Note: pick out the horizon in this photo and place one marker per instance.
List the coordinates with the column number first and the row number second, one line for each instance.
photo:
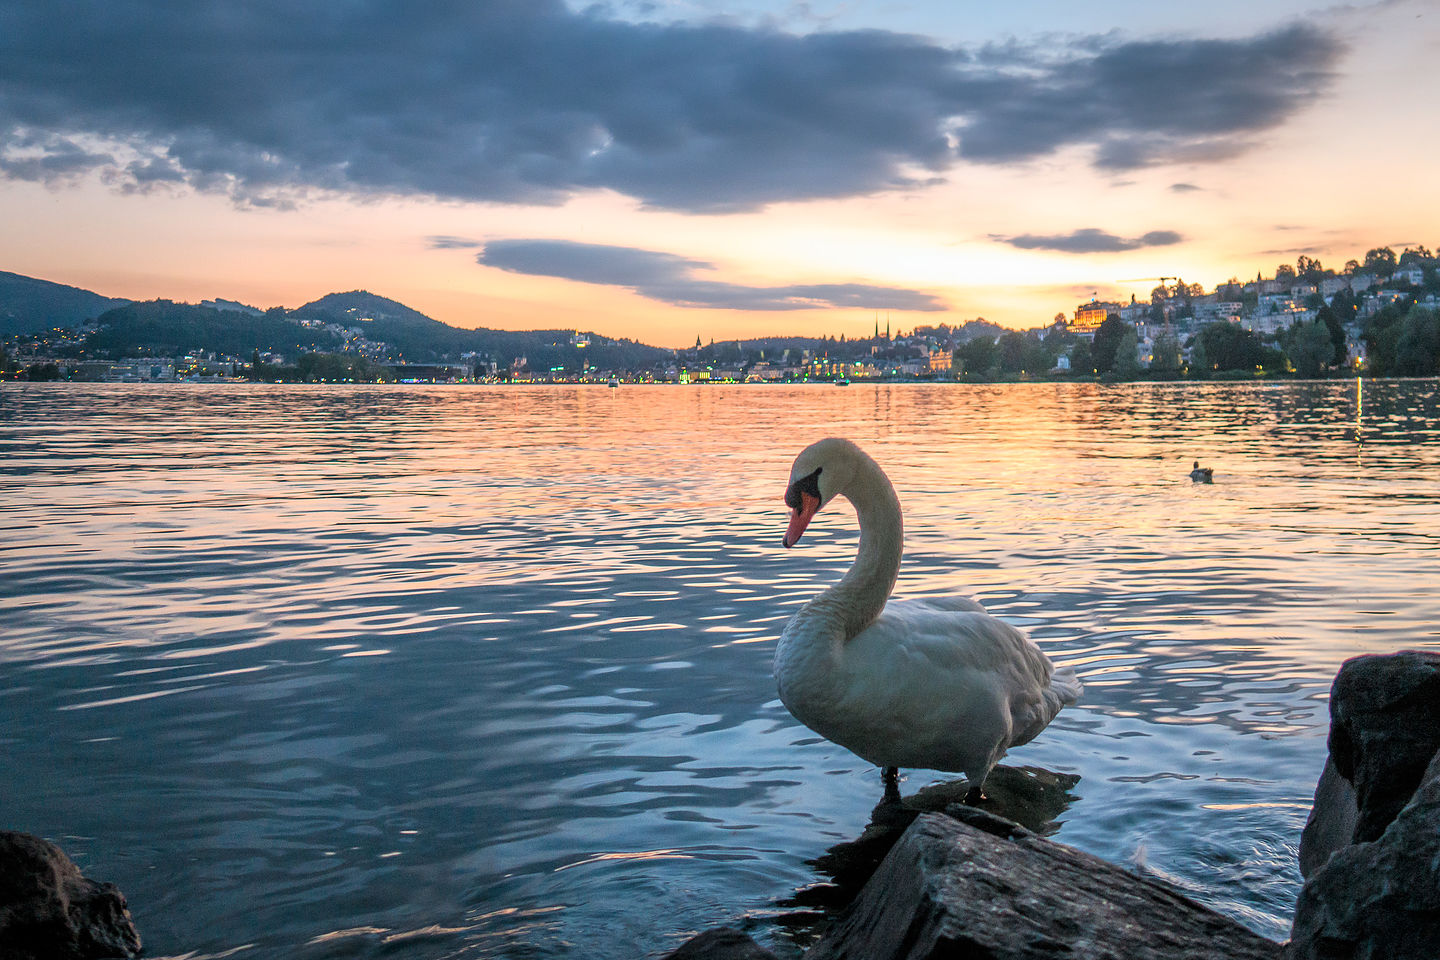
column 722, row 171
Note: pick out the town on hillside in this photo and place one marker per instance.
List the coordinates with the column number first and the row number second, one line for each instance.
column 1379, row 316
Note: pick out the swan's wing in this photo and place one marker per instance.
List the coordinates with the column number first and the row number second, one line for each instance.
column 957, row 637
column 923, row 661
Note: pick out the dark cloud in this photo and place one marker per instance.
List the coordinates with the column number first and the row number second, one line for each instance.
column 1184, row 187
column 673, row 279
column 1091, row 240
column 443, row 242
column 530, row 101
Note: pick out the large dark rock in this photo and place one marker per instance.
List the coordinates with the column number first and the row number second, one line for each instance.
column 48, row 911
column 990, row 889
column 1384, row 729
column 722, row 943
column 1331, row 824
column 1378, row 900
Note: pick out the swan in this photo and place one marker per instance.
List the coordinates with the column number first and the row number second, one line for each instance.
column 1199, row 474
column 933, row 683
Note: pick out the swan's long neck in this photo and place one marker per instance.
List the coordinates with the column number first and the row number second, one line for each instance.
column 858, row 598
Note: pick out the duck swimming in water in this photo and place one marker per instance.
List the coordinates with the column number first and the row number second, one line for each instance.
column 1200, row 474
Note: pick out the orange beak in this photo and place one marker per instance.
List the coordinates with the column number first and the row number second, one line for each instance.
column 800, row 518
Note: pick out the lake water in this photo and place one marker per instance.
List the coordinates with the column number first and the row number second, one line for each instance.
column 486, row 672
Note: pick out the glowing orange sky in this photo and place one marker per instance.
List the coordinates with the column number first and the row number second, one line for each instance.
column 1352, row 170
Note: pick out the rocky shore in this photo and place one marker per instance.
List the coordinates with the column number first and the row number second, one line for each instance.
column 49, row 911
column 966, row 883
column 933, row 878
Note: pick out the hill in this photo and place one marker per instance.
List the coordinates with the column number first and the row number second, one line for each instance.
column 163, row 328
column 28, row 305
column 166, row 328
column 414, row 337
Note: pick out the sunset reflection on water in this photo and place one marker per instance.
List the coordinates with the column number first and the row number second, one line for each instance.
column 487, row 670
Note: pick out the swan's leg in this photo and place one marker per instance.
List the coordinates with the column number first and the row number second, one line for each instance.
column 890, row 776
column 976, row 793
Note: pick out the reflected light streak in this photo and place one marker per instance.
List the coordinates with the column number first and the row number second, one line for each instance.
column 639, row 855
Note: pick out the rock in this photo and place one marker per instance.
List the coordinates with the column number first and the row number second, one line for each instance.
column 1384, row 729
column 48, row 911
column 1000, row 892
column 1031, row 796
column 1332, row 820
column 1378, row 900
column 722, row 943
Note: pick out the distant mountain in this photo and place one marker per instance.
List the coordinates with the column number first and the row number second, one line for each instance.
column 28, row 305
column 416, row 338
column 165, row 329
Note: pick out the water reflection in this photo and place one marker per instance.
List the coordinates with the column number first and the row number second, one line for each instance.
column 432, row 672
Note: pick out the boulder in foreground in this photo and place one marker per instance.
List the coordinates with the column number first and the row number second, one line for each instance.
column 1384, row 730
column 49, row 911
column 1371, row 850
column 990, row 888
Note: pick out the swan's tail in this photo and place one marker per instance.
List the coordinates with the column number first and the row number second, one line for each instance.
column 1065, row 686
column 1064, row 690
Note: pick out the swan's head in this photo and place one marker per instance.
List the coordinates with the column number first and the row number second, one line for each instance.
column 822, row 471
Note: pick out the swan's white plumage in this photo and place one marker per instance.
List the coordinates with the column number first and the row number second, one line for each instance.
column 935, row 683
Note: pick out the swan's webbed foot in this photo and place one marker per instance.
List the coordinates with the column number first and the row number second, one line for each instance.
column 974, row 796
column 890, row 777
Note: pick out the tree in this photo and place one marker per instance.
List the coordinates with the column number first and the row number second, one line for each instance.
column 1417, row 349
column 1415, row 255
column 1352, row 267
column 340, row 368
column 1381, row 335
column 976, row 356
column 1310, row 270
column 1011, row 347
column 1285, row 273
column 1309, row 348
column 1227, row 346
column 1328, row 316
column 1127, row 363
column 1023, row 353
column 1199, row 361
column 1082, row 360
column 1380, row 260
column 1107, row 340
column 1165, row 355
column 1157, row 309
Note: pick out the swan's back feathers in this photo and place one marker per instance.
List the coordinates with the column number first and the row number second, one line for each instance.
column 959, row 604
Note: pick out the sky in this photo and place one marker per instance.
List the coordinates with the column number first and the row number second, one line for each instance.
column 671, row 169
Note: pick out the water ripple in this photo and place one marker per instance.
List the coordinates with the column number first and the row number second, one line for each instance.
column 486, row 672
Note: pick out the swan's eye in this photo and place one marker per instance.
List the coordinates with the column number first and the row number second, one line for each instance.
column 807, row 484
